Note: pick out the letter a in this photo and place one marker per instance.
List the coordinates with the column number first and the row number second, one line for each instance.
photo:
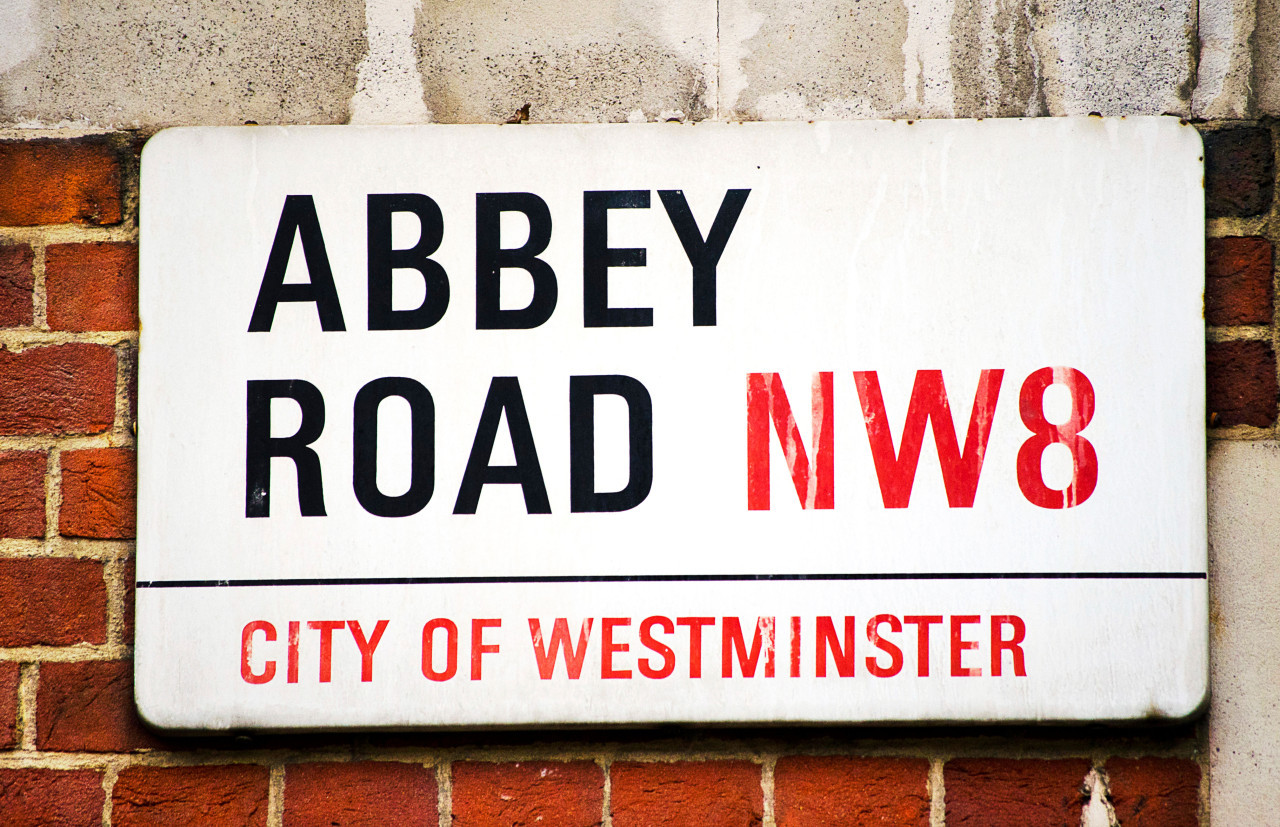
column 297, row 218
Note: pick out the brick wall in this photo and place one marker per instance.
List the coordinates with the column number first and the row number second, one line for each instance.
column 73, row 752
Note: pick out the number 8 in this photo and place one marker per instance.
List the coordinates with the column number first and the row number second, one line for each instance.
column 1084, row 459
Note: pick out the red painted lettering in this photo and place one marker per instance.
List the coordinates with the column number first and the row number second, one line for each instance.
column 366, row 647
column 326, row 629
column 246, row 652
column 959, row 645
column 608, row 647
column 922, row 624
column 450, row 645
column 732, row 643
column 648, row 641
column 795, row 647
column 695, row 625
column 560, row 641
column 767, row 400
column 897, row 473
column 842, row 654
column 295, row 633
column 1013, row 645
column 478, row 647
column 1084, row 459
column 888, row 647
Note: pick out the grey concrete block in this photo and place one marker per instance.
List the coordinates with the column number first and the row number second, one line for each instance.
column 1266, row 57
column 783, row 60
column 878, row 58
column 388, row 83
column 1119, row 57
column 1224, row 86
column 993, row 51
column 941, row 58
column 612, row 60
column 1244, row 722
column 128, row 64
column 123, row 63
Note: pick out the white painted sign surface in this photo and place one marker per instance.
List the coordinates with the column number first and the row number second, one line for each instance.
column 576, row 507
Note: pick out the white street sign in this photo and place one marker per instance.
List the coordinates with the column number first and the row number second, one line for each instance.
column 535, row 425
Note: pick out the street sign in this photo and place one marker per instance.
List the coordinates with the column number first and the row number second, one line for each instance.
column 541, row 425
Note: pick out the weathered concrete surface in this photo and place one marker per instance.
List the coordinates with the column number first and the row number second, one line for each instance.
column 388, row 84
column 124, row 63
column 607, row 60
column 941, row 58
column 992, row 47
column 879, row 58
column 133, row 63
column 19, row 36
column 1224, row 82
column 1244, row 720
column 786, row 60
column 1121, row 57
column 1266, row 56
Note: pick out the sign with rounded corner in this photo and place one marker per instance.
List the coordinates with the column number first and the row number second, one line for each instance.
column 458, row 426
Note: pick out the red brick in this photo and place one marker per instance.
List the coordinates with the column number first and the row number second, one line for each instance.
column 59, row 182
column 92, row 286
column 87, row 706
column 1015, row 793
column 707, row 793
column 52, row 601
column 1241, row 384
column 1155, row 792
column 527, row 793
column 234, row 796
column 820, row 791
column 372, row 793
column 1238, row 171
column 16, row 285
column 22, row 493
column 8, row 704
column 60, row 389
column 99, row 494
column 50, row 798
column 1238, row 281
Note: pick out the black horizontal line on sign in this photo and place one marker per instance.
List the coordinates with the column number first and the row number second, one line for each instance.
column 671, row 578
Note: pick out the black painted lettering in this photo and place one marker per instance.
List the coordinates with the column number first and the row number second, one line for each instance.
column 704, row 255
column 297, row 218
column 364, row 472
column 598, row 257
column 260, row 446
column 491, row 259
column 383, row 261
column 583, row 391
column 504, row 396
